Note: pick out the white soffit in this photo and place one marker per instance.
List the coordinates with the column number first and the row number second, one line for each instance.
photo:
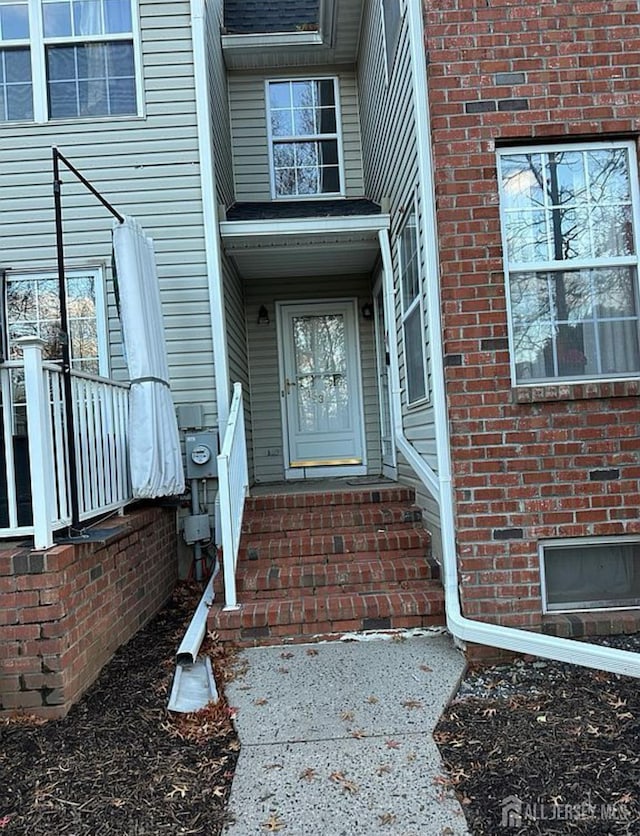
column 303, row 247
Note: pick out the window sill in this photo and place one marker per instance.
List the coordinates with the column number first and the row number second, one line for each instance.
column 576, row 391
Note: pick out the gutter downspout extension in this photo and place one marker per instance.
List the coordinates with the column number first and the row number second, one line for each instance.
column 210, row 215
column 507, row 638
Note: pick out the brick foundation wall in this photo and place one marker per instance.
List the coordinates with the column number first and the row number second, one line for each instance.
column 65, row 611
column 529, row 463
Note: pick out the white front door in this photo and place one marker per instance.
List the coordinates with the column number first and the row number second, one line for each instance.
column 320, row 389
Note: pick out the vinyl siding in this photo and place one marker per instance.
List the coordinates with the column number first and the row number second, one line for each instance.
column 249, row 131
column 236, row 334
column 146, row 167
column 391, row 171
column 263, row 353
column 219, row 104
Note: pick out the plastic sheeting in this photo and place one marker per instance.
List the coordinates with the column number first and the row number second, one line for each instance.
column 154, row 441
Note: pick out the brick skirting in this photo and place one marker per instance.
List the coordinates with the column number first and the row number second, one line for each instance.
column 65, row 611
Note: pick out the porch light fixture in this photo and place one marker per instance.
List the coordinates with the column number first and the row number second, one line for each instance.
column 367, row 310
column 263, row 316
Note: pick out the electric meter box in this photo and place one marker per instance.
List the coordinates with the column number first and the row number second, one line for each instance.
column 201, row 451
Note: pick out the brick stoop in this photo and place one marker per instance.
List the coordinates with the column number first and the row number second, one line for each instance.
column 323, row 563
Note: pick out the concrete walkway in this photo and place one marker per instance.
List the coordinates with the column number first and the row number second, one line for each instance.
column 337, row 739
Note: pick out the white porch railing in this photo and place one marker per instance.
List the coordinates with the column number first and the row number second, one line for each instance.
column 233, row 486
column 35, row 499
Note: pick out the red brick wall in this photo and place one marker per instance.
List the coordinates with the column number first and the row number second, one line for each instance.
column 65, row 611
column 555, row 461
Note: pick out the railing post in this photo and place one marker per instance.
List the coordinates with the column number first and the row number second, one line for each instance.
column 40, row 442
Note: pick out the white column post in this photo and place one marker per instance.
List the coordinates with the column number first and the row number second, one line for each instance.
column 40, row 442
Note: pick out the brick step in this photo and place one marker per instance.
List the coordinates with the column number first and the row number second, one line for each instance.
column 364, row 575
column 304, row 548
column 326, row 520
column 274, row 621
column 357, row 496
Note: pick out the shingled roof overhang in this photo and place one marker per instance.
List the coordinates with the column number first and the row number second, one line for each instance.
column 306, row 245
column 258, row 36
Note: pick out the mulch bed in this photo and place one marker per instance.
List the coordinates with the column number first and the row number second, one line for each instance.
column 119, row 764
column 543, row 747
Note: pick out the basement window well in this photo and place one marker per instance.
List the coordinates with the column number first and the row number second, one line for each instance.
column 590, row 575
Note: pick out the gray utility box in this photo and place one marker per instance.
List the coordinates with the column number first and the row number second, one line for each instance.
column 201, row 451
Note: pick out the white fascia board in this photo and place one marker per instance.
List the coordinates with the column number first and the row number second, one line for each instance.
column 270, row 40
column 304, row 226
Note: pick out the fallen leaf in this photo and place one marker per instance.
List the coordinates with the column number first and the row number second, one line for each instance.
column 387, row 818
column 273, row 823
column 180, row 790
column 347, row 716
column 411, row 757
column 337, row 777
column 308, row 774
column 398, row 637
column 426, row 668
column 261, row 701
column 392, row 744
column 350, row 786
column 383, row 769
column 311, row 651
column 358, row 734
column 270, row 766
column 283, row 670
column 373, row 700
column 412, row 704
column 286, row 655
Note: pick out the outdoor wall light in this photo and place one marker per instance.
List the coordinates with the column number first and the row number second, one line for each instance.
column 263, row 316
column 367, row 311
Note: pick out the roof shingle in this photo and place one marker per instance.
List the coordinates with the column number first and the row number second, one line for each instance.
column 242, row 17
column 288, row 209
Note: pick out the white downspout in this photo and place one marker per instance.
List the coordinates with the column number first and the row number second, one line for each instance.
column 210, row 216
column 507, row 638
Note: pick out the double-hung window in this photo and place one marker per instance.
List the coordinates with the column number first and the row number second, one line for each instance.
column 66, row 59
column 304, row 142
column 412, row 318
column 32, row 305
column 570, row 242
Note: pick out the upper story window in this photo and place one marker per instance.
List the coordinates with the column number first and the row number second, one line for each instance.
column 304, row 137
column 569, row 227
column 412, row 315
column 391, row 21
column 64, row 59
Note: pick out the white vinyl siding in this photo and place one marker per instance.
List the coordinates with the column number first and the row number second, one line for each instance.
column 263, row 357
column 391, row 171
column 146, row 168
column 250, row 141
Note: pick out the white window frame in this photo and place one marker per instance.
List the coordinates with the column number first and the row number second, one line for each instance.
column 271, row 140
column 569, row 264
column 572, row 542
column 37, row 44
column 417, row 302
column 97, row 273
column 390, row 39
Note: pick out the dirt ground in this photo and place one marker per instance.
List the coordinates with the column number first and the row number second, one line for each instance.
column 531, row 748
column 119, row 764
column 546, row 748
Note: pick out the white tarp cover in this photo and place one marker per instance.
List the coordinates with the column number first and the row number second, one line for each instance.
column 154, row 441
